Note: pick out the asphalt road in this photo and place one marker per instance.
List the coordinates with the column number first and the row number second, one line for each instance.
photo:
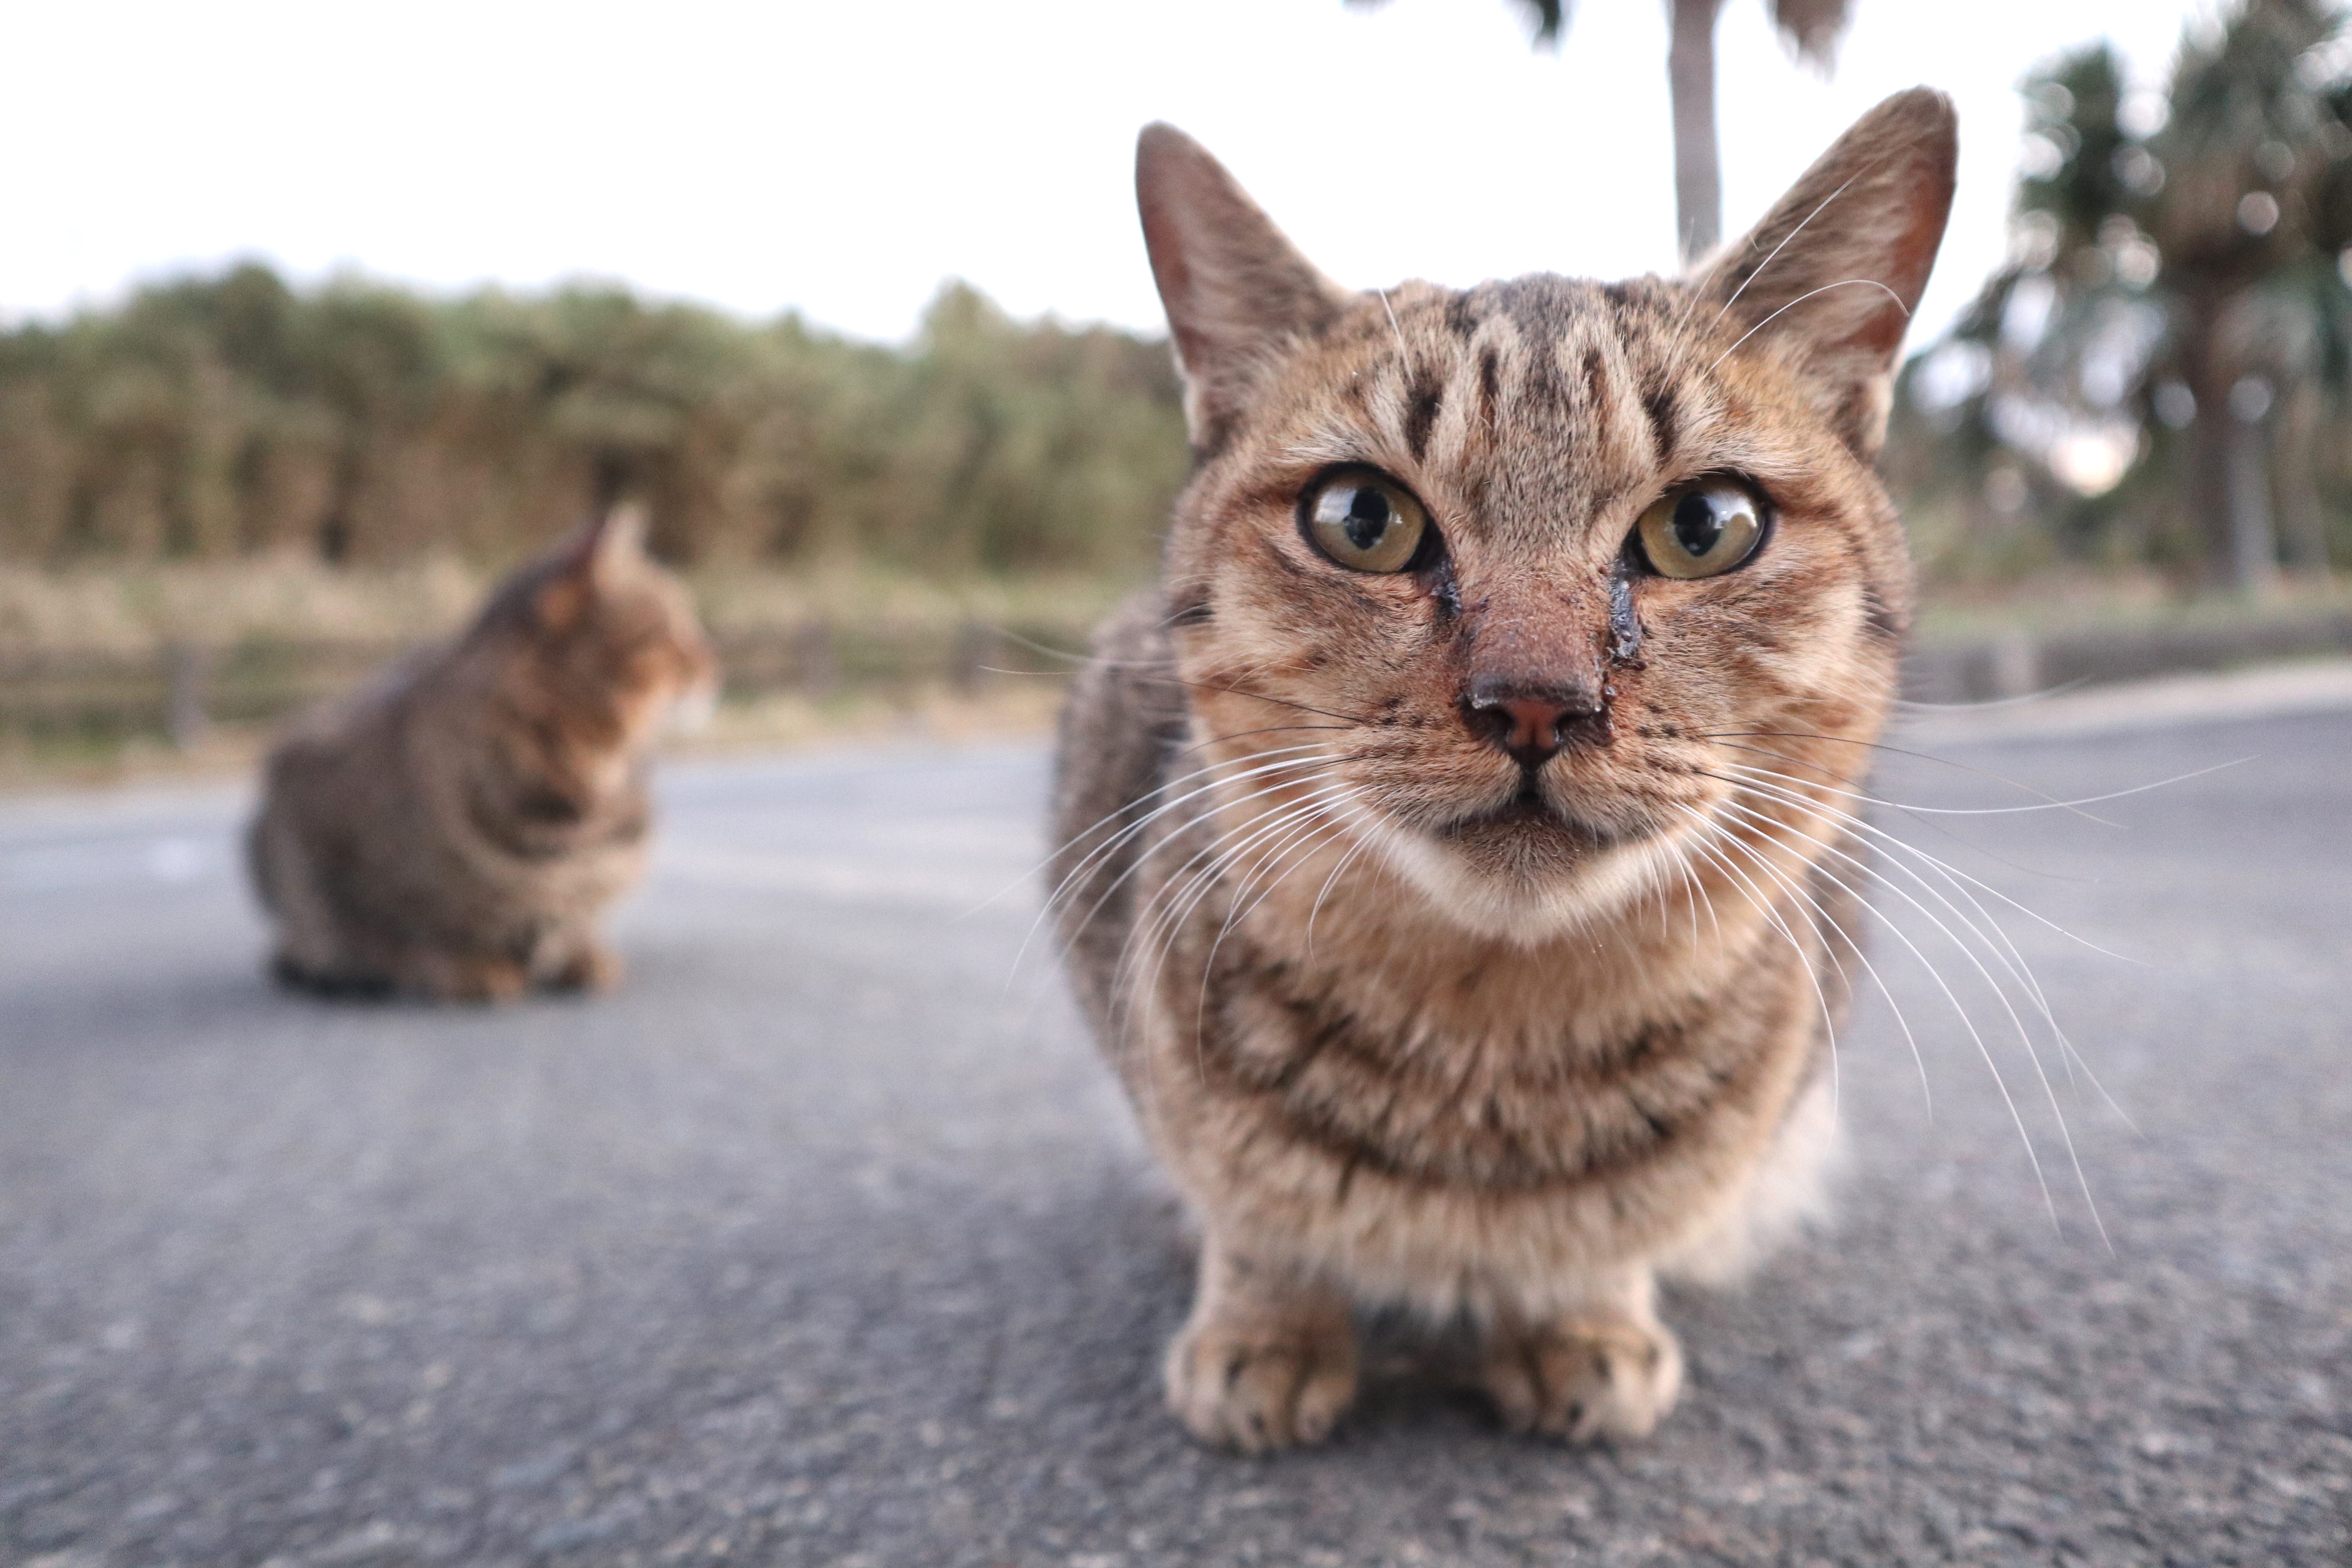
column 827, row 1241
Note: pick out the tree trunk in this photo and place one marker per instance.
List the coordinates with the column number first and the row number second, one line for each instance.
column 1690, row 76
column 2253, row 543
column 2294, row 479
column 2220, row 448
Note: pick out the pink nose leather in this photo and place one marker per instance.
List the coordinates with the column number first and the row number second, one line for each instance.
column 1532, row 727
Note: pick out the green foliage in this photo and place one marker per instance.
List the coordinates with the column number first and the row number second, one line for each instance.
column 2073, row 109
column 2162, row 374
column 213, row 417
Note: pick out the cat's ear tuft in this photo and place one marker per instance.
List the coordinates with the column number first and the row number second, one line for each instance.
column 617, row 541
column 1830, row 278
column 589, row 563
column 1234, row 286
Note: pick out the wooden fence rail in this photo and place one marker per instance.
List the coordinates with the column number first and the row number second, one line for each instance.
column 178, row 691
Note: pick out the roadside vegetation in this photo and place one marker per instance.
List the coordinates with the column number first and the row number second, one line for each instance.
column 2150, row 404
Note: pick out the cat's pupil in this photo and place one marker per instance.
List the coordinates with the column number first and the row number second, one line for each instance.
column 1697, row 528
column 1367, row 517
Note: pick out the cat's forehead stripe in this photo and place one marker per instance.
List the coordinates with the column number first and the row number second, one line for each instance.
column 1540, row 399
column 1582, row 353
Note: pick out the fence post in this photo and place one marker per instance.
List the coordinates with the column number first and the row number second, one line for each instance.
column 815, row 660
column 975, row 645
column 185, row 666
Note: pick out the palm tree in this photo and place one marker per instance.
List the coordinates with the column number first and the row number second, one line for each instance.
column 1811, row 26
column 2248, row 152
column 2179, row 295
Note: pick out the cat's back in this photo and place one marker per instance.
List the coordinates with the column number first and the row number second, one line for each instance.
column 351, row 744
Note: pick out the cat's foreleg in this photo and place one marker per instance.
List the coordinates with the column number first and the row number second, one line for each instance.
column 1268, row 1357
column 462, row 976
column 1599, row 1366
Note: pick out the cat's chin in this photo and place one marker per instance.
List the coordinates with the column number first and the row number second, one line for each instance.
column 1523, row 831
column 1524, row 872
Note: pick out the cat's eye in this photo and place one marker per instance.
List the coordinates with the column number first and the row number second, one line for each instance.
column 1700, row 529
column 1365, row 521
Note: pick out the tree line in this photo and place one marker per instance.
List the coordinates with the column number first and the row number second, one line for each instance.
column 210, row 417
column 2160, row 377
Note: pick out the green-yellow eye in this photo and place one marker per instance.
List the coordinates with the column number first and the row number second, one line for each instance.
column 1702, row 530
column 1365, row 521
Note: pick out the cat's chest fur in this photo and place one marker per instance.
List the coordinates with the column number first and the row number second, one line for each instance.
column 1340, row 1019
column 1465, row 1091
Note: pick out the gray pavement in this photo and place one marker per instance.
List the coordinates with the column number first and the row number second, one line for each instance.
column 827, row 1241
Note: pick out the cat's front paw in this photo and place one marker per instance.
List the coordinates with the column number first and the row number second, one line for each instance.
column 1583, row 1381
column 596, row 968
column 1255, row 1388
column 469, row 978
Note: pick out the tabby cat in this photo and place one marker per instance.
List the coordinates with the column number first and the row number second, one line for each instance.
column 1415, row 865
column 454, row 829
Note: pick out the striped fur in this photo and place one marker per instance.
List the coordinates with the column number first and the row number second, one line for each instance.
column 455, row 829
column 1400, row 1032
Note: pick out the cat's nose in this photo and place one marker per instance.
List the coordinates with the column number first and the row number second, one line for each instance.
column 1532, row 723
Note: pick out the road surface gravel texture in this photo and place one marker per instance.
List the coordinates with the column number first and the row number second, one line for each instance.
column 827, row 1241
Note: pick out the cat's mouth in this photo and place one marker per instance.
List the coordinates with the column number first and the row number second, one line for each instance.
column 1527, row 815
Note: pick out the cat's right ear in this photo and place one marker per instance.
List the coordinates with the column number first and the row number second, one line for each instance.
column 1232, row 285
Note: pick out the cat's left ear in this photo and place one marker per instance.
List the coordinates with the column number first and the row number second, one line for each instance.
column 1830, row 280
column 617, row 542
column 591, row 562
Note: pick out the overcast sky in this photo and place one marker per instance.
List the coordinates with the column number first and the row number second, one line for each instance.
column 842, row 159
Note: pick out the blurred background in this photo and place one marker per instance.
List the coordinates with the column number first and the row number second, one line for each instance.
column 826, row 1240
column 311, row 319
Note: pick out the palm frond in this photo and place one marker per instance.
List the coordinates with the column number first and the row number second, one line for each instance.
column 1549, row 18
column 1814, row 25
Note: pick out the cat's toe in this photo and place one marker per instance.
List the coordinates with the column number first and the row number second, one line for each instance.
column 1256, row 1393
column 596, row 969
column 1584, row 1382
column 447, row 977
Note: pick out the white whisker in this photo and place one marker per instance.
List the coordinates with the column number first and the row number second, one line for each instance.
column 1841, row 283
column 1074, row 879
column 1765, row 266
column 2012, row 960
column 2000, row 992
column 1158, row 923
column 1764, row 907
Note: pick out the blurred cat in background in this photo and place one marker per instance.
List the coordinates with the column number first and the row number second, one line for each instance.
column 455, row 829
column 1452, row 858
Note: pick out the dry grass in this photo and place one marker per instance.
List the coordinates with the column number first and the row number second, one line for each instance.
column 750, row 602
column 2060, row 601
column 135, row 610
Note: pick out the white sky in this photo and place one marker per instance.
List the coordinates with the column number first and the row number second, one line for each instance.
column 843, row 158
